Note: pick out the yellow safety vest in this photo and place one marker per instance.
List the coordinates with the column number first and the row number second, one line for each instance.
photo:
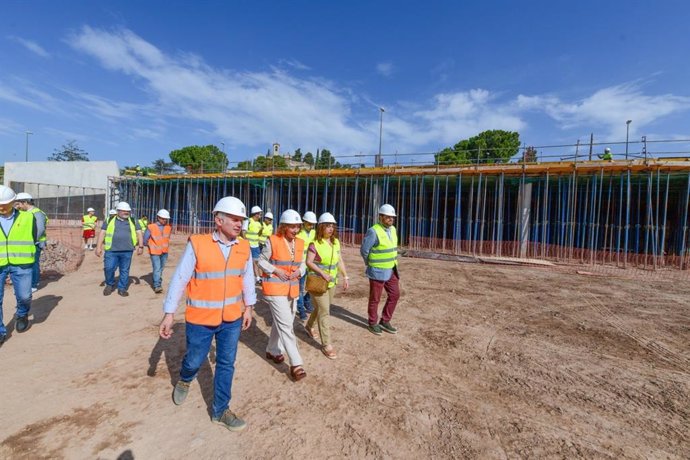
column 43, row 238
column 19, row 247
column 307, row 238
column 266, row 231
column 330, row 256
column 252, row 233
column 385, row 254
column 143, row 223
column 110, row 230
column 89, row 222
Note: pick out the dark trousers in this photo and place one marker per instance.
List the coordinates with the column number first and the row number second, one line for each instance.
column 392, row 289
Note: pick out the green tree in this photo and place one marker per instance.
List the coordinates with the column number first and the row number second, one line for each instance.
column 529, row 155
column 161, row 166
column 325, row 160
column 273, row 163
column 195, row 158
column 244, row 165
column 309, row 159
column 492, row 146
column 69, row 152
column 297, row 155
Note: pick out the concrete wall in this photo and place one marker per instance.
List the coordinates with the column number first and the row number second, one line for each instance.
column 91, row 174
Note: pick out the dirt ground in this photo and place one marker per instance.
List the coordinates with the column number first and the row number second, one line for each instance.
column 491, row 362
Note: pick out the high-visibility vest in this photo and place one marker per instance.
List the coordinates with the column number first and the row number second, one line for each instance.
column 266, row 231
column 307, row 237
column 89, row 222
column 384, row 254
column 110, row 230
column 18, row 247
column 143, row 223
column 281, row 258
column 214, row 294
column 34, row 210
column 159, row 242
column 252, row 233
column 330, row 256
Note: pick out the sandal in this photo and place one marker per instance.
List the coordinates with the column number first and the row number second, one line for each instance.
column 312, row 332
column 330, row 353
column 275, row 358
column 297, row 373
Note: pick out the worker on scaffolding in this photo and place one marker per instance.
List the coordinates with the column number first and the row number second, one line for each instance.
column 25, row 202
column 250, row 232
column 606, row 156
column 380, row 253
column 266, row 229
column 88, row 227
column 307, row 234
column 157, row 239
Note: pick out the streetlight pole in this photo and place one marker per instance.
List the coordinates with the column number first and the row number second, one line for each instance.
column 27, row 145
column 222, row 149
column 627, row 136
column 379, row 161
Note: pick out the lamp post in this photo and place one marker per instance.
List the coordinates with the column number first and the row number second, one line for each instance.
column 627, row 136
column 379, row 161
column 222, row 149
column 27, row 145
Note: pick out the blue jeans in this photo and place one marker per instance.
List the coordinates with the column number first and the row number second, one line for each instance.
column 36, row 271
column 114, row 260
column 158, row 263
column 198, row 345
column 303, row 301
column 256, row 252
column 21, row 282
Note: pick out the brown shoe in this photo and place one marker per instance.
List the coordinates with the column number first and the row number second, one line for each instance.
column 312, row 332
column 297, row 373
column 329, row 352
column 275, row 358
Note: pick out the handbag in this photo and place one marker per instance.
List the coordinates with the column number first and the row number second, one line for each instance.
column 316, row 284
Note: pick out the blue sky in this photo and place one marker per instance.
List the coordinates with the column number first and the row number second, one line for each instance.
column 131, row 81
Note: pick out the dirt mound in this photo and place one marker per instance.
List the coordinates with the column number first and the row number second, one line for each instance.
column 60, row 258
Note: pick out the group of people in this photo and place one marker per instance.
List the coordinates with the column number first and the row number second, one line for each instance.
column 219, row 272
column 22, row 240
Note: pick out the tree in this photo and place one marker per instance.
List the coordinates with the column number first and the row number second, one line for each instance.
column 298, row 155
column 195, row 158
column 244, row 165
column 309, row 159
column 325, row 160
column 272, row 163
column 69, row 152
column 161, row 166
column 492, row 146
column 529, row 155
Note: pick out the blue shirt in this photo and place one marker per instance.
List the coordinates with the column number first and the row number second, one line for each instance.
column 371, row 240
column 185, row 270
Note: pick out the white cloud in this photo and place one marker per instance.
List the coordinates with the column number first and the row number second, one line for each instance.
column 31, row 46
column 385, row 68
column 294, row 63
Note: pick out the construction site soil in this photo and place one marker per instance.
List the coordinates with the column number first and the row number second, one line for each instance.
column 491, row 361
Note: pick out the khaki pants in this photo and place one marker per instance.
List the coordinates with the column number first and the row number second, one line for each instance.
column 282, row 338
column 322, row 314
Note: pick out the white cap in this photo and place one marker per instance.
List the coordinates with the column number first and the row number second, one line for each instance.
column 232, row 206
column 326, row 218
column 90, row 210
column 387, row 210
column 290, row 216
column 7, row 195
column 123, row 206
column 268, row 215
column 256, row 209
column 23, row 196
column 163, row 213
column 112, row 212
column 309, row 217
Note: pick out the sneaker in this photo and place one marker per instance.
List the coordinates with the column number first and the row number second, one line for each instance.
column 108, row 290
column 22, row 323
column 230, row 421
column 388, row 327
column 158, row 290
column 34, row 290
column 375, row 329
column 122, row 293
column 180, row 392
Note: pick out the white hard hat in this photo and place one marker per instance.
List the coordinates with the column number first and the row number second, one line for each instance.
column 7, row 195
column 232, row 206
column 268, row 215
column 290, row 216
column 387, row 210
column 112, row 212
column 90, row 210
column 309, row 217
column 123, row 206
column 607, row 150
column 23, row 196
column 326, row 218
column 164, row 214
column 256, row 209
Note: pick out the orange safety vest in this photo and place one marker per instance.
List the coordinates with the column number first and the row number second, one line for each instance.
column 159, row 242
column 214, row 294
column 281, row 258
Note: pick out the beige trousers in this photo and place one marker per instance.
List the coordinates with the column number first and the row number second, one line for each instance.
column 282, row 338
column 322, row 314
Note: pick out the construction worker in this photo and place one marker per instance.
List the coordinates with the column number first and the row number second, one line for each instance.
column 17, row 255
column 143, row 222
column 120, row 235
column 112, row 213
column 266, row 229
column 283, row 264
column 88, row 226
column 606, row 156
column 25, row 202
column 157, row 238
column 307, row 235
column 250, row 231
column 323, row 259
column 216, row 273
column 380, row 253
